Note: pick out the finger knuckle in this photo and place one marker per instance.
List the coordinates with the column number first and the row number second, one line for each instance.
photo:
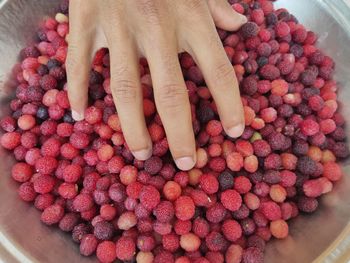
column 172, row 97
column 125, row 90
column 72, row 61
column 223, row 76
column 110, row 6
column 197, row 8
column 214, row 40
column 149, row 11
column 169, row 62
column 195, row 5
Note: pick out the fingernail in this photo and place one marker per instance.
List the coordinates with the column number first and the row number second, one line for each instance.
column 243, row 19
column 185, row 163
column 143, row 154
column 77, row 116
column 235, row 131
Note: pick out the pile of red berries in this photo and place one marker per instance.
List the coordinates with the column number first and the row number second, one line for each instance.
column 83, row 178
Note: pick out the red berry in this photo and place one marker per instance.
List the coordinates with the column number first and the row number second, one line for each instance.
column 232, row 230
column 93, row 115
column 68, row 190
column 83, row 202
column 309, row 127
column 149, row 197
column 115, row 164
column 200, row 227
column 21, row 172
column 51, row 147
column 68, row 151
column 313, row 188
column 125, row 248
column 64, row 129
column 171, row 190
column 145, row 243
column 214, row 128
column 282, row 29
column 8, row 124
column 88, row 245
column 261, row 148
column 79, row 140
column 332, row 171
column 217, row 212
column 231, row 200
column 215, row 241
column 271, row 210
column 26, row 192
column 242, row 184
column 46, row 165
column 252, row 254
column 72, row 173
column 52, row 214
column 209, row 183
column 171, row 242
column 234, row 253
column 184, row 208
column 106, row 252
column 270, row 72
column 164, row 211
column 153, row 165
column 10, row 140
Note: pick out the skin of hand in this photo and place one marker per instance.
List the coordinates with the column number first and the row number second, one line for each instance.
column 157, row 30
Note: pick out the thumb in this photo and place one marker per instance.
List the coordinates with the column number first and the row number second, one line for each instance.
column 224, row 16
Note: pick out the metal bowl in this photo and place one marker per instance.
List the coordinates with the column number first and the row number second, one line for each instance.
column 321, row 237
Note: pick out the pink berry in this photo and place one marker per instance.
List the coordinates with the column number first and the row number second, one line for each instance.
column 268, row 115
column 251, row 163
column 279, row 229
column 128, row 174
column 127, row 220
column 234, row 161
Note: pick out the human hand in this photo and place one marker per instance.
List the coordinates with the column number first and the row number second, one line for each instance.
column 157, row 30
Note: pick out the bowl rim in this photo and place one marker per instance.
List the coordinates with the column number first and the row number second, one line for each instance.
column 337, row 252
